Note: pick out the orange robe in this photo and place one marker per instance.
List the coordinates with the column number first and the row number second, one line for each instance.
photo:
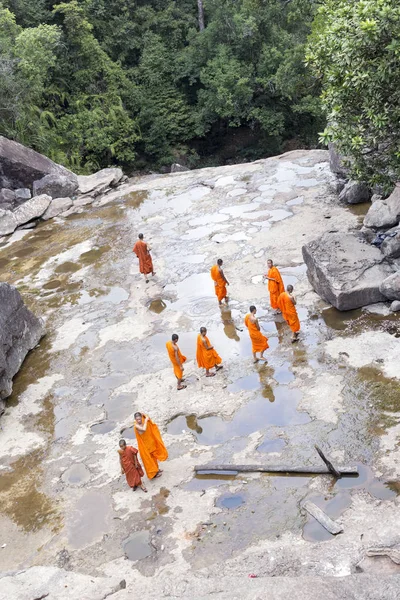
column 171, row 352
column 133, row 473
column 220, row 284
column 206, row 359
column 275, row 289
column 151, row 448
column 258, row 340
column 289, row 312
column 144, row 256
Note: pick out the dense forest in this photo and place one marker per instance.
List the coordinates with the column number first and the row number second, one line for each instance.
column 145, row 83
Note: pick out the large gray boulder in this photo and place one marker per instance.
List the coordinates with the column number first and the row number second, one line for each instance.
column 7, row 199
column 384, row 213
column 21, row 166
column 390, row 246
column 32, row 209
column 336, row 163
column 355, row 192
column 390, row 287
column 56, row 207
column 345, row 271
column 56, row 185
column 8, row 222
column 99, row 182
column 20, row 331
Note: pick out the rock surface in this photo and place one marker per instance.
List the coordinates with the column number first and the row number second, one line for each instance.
column 56, row 207
column 56, row 185
column 32, row 209
column 99, row 182
column 354, row 193
column 21, row 166
column 22, row 194
column 20, row 331
column 390, row 287
column 8, row 222
column 344, row 271
column 7, row 197
column 336, row 163
column 384, row 213
column 177, row 168
column 390, row 246
column 395, row 306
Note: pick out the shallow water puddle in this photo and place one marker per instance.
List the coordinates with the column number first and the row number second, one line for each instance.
column 90, row 519
column 104, row 427
column 230, row 501
column 157, row 305
column 76, row 474
column 137, row 545
column 270, row 446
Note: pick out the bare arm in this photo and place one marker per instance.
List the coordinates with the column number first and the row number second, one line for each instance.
column 206, row 346
column 142, row 428
column 293, row 299
column 223, row 276
column 177, row 357
column 120, row 462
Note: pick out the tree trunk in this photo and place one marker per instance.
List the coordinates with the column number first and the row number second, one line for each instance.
column 201, row 14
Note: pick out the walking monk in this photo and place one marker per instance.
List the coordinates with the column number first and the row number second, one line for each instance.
column 220, row 281
column 130, row 465
column 177, row 359
column 142, row 251
column 206, row 356
column 275, row 284
column 150, row 444
column 287, row 304
column 258, row 340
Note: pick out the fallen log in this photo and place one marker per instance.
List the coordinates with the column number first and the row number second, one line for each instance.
column 322, row 518
column 318, row 470
column 328, row 463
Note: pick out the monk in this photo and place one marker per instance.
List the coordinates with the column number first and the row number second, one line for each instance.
column 287, row 304
column 275, row 284
column 258, row 340
column 220, row 281
column 177, row 359
column 150, row 444
column 142, row 251
column 207, row 358
column 130, row 466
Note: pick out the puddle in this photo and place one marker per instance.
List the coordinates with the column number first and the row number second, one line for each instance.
column 208, row 219
column 135, row 199
column 53, row 284
column 230, row 501
column 271, row 446
column 366, row 480
column 157, row 305
column 333, row 507
column 119, row 407
column 335, row 319
column 76, row 474
column 128, row 433
column 137, row 545
column 104, row 427
column 206, row 480
column 68, row 267
column 159, row 501
column 93, row 256
column 360, row 210
column 239, row 209
column 90, row 519
column 295, row 201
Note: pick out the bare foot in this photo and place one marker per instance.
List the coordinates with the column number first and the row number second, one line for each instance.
column 158, row 475
column 210, row 375
column 294, row 340
column 256, row 360
column 181, row 387
column 143, row 488
column 218, row 368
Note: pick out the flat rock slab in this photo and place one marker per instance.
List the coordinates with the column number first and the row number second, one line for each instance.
column 56, row 207
column 345, row 271
column 98, row 182
column 32, row 209
column 8, row 222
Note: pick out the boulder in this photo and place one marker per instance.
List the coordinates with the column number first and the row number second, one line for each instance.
column 395, row 306
column 56, row 185
column 7, row 197
column 384, row 213
column 22, row 194
column 376, row 197
column 21, row 166
column 177, row 168
column 345, row 271
column 56, row 207
column 32, row 209
column 354, row 192
column 390, row 287
column 391, row 244
column 20, row 331
column 369, row 234
column 99, row 182
column 8, row 223
column 83, row 201
column 336, row 163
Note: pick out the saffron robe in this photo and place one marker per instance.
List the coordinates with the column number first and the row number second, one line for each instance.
column 258, row 340
column 151, row 448
column 275, row 288
column 219, row 283
column 206, row 359
column 171, row 352
column 289, row 312
column 132, row 472
column 144, row 256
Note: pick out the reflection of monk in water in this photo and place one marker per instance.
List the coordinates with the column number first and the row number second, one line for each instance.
column 229, row 326
column 280, row 327
column 191, row 422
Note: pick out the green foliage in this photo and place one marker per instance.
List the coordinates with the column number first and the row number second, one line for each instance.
column 355, row 51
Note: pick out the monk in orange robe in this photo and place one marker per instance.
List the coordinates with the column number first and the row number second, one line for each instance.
column 275, row 284
column 150, row 444
column 142, row 251
column 287, row 304
column 206, row 356
column 220, row 281
column 130, row 465
column 258, row 340
column 177, row 359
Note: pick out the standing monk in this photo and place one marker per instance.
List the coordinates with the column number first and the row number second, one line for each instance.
column 275, row 284
column 287, row 304
column 177, row 359
column 130, row 465
column 206, row 356
column 150, row 444
column 220, row 281
column 258, row 340
column 142, row 251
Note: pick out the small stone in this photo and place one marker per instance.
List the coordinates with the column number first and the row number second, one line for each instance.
column 395, row 306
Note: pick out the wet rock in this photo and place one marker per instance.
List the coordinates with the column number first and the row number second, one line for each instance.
column 345, row 271
column 380, row 309
column 56, row 207
column 384, row 213
column 395, row 306
column 56, row 186
column 99, row 182
column 354, row 193
column 390, row 287
column 21, row 166
column 8, row 222
column 22, row 194
column 20, row 331
column 32, row 209
column 391, row 245
column 7, row 197
column 177, row 168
